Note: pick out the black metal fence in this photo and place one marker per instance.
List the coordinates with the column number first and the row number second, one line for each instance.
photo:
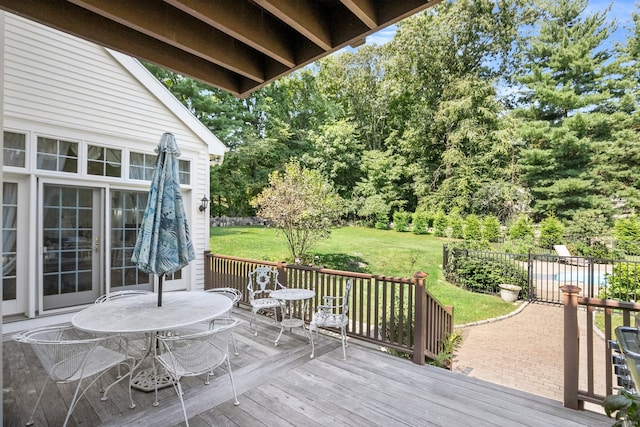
column 616, row 279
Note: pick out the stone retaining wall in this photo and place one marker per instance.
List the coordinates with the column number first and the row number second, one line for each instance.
column 227, row 221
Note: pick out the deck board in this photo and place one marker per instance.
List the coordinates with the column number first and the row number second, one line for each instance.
column 283, row 386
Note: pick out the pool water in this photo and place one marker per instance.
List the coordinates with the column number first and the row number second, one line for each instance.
column 599, row 277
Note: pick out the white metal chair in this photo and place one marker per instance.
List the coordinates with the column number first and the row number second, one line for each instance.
column 235, row 296
column 197, row 354
column 120, row 294
column 139, row 344
column 262, row 281
column 332, row 314
column 69, row 355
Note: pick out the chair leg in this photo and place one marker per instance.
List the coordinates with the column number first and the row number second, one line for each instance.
column 313, row 346
column 233, row 384
column 119, row 378
column 344, row 342
column 33, row 413
column 253, row 319
column 235, row 348
column 178, row 388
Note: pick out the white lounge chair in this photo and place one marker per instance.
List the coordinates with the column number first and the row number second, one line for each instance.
column 565, row 256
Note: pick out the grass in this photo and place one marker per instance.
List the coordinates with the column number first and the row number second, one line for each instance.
column 366, row 250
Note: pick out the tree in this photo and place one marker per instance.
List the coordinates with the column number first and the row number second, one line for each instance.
column 522, row 228
column 302, row 204
column 472, row 228
column 551, row 232
column 565, row 73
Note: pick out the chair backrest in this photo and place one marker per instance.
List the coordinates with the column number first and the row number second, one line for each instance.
column 262, row 281
column 120, row 294
column 562, row 250
column 345, row 298
column 232, row 293
column 65, row 352
column 199, row 353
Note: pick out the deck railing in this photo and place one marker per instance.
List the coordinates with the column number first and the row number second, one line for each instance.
column 579, row 381
column 396, row 313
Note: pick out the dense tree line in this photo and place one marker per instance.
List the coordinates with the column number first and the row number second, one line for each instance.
column 485, row 107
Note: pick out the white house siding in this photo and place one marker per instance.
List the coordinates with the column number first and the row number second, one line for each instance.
column 59, row 86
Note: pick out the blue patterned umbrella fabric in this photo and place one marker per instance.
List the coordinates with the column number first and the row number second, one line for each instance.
column 163, row 245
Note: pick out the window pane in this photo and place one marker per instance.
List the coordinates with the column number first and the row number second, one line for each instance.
column 47, row 146
column 94, row 168
column 104, row 162
column 57, row 155
column 14, row 149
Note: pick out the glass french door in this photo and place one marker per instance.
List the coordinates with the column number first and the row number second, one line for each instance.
column 71, row 240
column 127, row 210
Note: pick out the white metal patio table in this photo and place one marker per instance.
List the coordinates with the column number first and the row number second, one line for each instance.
column 288, row 296
column 141, row 314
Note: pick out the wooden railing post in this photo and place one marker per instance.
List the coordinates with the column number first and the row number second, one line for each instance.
column 282, row 273
column 208, row 273
column 571, row 346
column 419, row 319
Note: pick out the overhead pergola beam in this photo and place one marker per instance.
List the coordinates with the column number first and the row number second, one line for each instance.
column 266, row 34
column 304, row 16
column 365, row 10
column 181, row 31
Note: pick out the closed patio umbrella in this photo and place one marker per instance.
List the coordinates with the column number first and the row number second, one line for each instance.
column 163, row 245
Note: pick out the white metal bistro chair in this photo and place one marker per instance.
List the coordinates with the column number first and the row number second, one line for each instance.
column 262, row 281
column 120, row 294
column 139, row 343
column 332, row 314
column 235, row 296
column 197, row 354
column 69, row 355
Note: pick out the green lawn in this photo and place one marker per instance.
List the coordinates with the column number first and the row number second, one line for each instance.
column 366, row 250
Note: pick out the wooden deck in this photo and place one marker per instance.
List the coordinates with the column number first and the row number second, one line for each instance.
column 282, row 386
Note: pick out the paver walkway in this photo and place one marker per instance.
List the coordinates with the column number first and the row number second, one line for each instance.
column 525, row 351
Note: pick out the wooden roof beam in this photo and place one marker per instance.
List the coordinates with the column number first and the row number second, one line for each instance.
column 246, row 23
column 74, row 20
column 182, row 31
column 304, row 16
column 365, row 10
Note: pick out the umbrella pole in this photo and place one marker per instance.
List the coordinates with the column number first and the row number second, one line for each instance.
column 160, row 290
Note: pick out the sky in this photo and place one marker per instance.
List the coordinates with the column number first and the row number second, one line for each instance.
column 620, row 11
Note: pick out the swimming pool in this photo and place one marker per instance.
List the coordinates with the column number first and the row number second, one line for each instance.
column 599, row 277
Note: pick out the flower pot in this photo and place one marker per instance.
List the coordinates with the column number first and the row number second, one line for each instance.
column 509, row 293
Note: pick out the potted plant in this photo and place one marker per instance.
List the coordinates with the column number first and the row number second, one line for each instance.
column 509, row 293
column 626, row 407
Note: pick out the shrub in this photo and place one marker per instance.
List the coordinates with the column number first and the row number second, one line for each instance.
column 484, row 275
column 440, row 224
column 455, row 226
column 420, row 221
column 518, row 246
column 472, row 229
column 623, row 283
column 521, row 228
column 381, row 221
column 491, row 229
column 401, row 220
column 551, row 232
column 627, row 232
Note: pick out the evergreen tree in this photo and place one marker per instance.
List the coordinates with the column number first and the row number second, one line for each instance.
column 564, row 76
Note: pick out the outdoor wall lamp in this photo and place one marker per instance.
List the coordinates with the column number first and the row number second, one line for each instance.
column 204, row 202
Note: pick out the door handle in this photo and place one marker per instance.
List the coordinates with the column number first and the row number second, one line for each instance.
column 97, row 245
